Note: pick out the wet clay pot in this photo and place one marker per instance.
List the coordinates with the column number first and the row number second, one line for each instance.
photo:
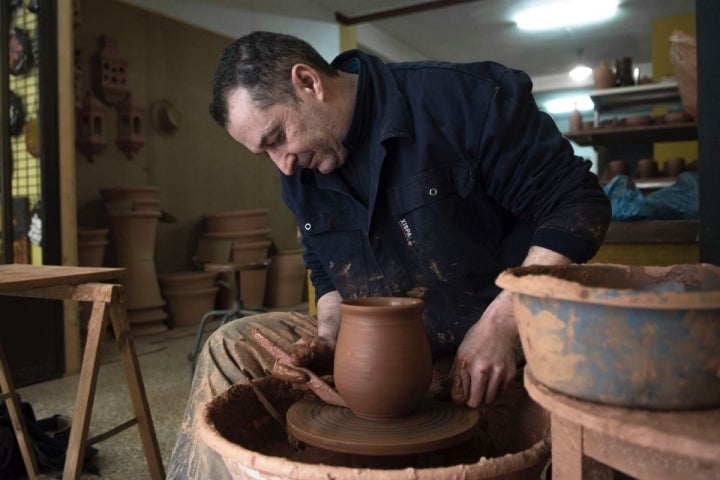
column 383, row 365
column 630, row 336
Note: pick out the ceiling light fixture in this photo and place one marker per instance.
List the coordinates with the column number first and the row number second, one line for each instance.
column 581, row 71
column 569, row 103
column 565, row 13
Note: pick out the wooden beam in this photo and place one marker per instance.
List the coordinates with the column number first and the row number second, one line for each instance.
column 394, row 12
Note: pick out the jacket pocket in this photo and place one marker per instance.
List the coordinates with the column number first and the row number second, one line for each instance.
column 338, row 244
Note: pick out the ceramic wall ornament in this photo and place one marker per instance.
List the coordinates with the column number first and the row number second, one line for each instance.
column 130, row 128
column 165, row 118
column 20, row 51
column 91, row 126
column 109, row 73
column 17, row 114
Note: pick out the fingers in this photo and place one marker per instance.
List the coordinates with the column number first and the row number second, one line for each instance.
column 475, row 385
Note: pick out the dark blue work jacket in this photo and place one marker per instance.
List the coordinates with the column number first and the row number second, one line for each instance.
column 465, row 175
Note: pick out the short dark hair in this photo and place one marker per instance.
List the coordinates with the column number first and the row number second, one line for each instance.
column 261, row 62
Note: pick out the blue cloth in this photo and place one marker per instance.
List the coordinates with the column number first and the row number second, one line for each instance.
column 465, row 175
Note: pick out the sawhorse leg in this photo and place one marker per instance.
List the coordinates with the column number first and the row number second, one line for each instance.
column 17, row 418
column 114, row 307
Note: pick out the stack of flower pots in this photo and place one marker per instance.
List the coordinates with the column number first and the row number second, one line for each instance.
column 249, row 236
column 189, row 295
column 133, row 216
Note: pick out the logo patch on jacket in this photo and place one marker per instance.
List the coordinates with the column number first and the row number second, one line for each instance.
column 407, row 232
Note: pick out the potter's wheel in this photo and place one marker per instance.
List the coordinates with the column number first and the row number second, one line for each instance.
column 433, row 426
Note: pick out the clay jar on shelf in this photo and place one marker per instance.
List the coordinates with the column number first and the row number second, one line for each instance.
column 646, row 168
column 674, row 166
column 616, row 167
column 603, row 76
column 383, row 365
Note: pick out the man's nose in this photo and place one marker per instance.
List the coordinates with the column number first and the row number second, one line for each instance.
column 284, row 161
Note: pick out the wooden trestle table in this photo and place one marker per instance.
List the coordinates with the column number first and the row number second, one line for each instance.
column 108, row 301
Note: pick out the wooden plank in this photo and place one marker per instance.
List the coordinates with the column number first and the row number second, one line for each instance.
column 14, row 277
column 646, row 463
column 133, row 378
column 85, row 292
column 85, row 393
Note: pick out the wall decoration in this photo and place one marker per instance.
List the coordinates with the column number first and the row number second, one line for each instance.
column 109, row 73
column 90, row 128
column 17, row 114
column 130, row 128
column 20, row 51
column 165, row 118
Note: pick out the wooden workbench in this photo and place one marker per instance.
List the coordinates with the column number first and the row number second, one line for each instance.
column 108, row 299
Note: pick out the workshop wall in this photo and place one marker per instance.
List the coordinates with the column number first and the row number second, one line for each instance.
column 198, row 168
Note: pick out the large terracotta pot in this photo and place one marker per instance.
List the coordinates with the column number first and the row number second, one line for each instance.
column 236, row 220
column 187, row 306
column 383, row 364
column 247, row 252
column 187, row 280
column 133, row 235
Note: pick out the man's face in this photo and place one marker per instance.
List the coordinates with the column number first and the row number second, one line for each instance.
column 305, row 135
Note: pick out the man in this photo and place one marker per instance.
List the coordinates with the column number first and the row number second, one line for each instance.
column 422, row 179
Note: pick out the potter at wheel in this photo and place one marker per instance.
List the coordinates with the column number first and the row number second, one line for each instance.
column 433, row 426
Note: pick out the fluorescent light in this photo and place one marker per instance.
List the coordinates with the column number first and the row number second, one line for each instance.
column 565, row 13
column 580, row 73
column 568, row 103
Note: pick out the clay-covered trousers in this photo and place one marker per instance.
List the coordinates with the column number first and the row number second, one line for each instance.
column 227, row 353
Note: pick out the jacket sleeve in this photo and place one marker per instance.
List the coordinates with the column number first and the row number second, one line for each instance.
column 318, row 276
column 529, row 168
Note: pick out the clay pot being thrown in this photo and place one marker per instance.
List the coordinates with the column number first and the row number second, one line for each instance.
column 383, row 364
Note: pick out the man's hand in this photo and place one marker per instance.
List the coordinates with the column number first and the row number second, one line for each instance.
column 485, row 361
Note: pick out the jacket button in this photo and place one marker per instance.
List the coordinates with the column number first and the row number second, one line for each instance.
column 307, row 227
column 432, row 192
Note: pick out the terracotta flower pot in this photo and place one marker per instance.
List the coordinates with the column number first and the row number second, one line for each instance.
column 236, row 220
column 246, row 252
column 256, row 235
column 646, row 168
column 383, row 364
column 286, row 279
column 187, row 280
column 92, row 253
column 187, row 307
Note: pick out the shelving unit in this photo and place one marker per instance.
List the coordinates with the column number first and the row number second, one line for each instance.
column 613, row 100
column 645, row 242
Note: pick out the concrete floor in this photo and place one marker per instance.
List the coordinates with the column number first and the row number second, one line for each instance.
column 166, row 374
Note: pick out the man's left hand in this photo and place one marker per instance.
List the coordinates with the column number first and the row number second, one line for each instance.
column 485, row 361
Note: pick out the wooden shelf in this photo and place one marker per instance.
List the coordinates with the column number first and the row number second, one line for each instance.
column 661, row 93
column 665, row 132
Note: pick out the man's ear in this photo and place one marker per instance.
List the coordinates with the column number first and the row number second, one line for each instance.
column 307, row 81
